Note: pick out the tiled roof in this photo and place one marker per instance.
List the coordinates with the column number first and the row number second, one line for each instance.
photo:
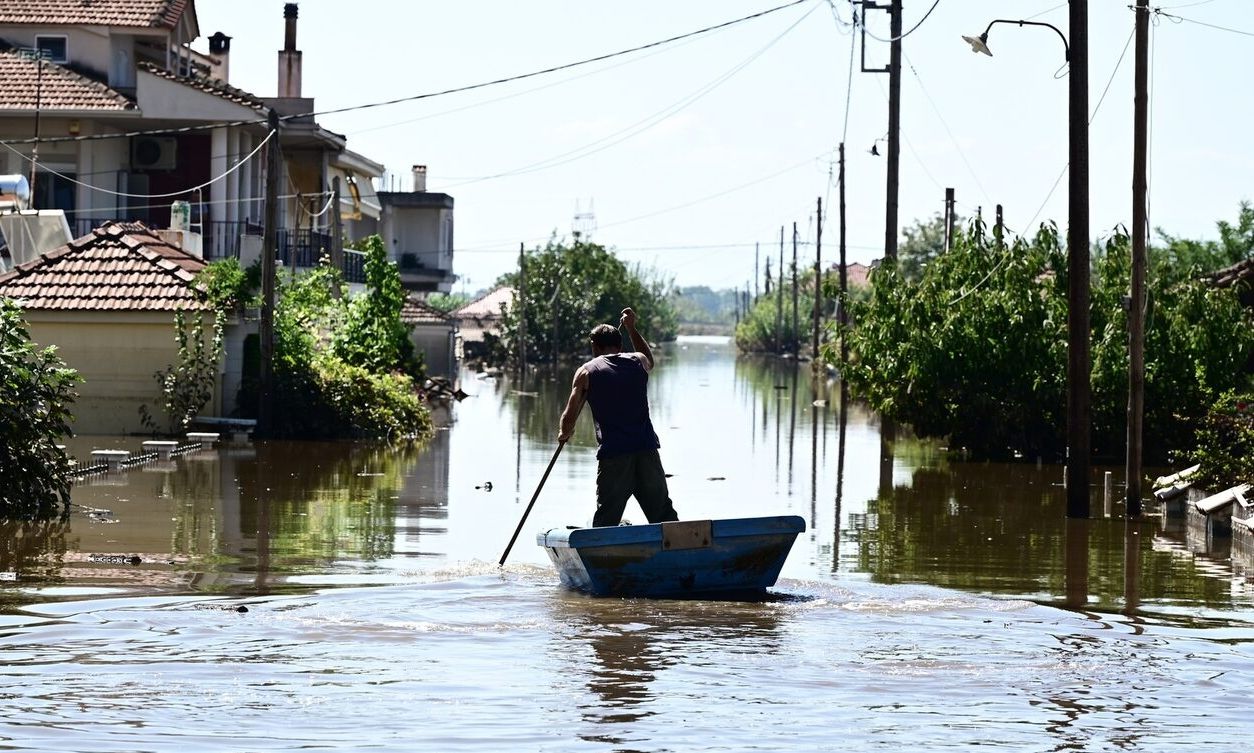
column 417, row 311
column 209, row 86
column 116, row 267
column 23, row 87
column 141, row 13
column 488, row 305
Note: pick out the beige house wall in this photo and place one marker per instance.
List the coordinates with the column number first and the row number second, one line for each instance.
column 116, row 355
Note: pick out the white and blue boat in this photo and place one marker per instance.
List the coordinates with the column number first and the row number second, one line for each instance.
column 702, row 558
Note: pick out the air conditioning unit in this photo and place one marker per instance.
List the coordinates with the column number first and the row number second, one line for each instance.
column 148, row 153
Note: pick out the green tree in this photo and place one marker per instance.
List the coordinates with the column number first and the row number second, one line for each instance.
column 36, row 392
column 372, row 335
column 571, row 288
column 447, row 302
column 975, row 350
column 187, row 385
column 1235, row 244
column 924, row 241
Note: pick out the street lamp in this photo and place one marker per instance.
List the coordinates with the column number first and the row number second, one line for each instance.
column 980, row 43
column 1078, row 355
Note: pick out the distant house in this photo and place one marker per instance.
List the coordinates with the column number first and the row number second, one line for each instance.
column 482, row 316
column 107, row 301
column 857, row 274
column 434, row 334
column 417, row 229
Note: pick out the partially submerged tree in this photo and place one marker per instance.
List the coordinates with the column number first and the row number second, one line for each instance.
column 36, row 392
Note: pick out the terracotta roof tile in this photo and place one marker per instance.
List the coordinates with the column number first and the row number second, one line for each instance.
column 116, row 267
column 488, row 305
column 23, row 86
column 139, row 13
column 416, row 311
column 209, row 86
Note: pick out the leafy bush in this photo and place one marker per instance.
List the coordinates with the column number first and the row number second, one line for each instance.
column 187, row 386
column 372, row 334
column 1225, row 443
column 36, row 391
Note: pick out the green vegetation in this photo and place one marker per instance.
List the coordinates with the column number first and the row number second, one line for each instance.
column 36, row 392
column 1225, row 443
column 343, row 368
column 570, row 289
column 698, row 308
column 187, row 385
column 448, row 302
column 768, row 325
column 975, row 349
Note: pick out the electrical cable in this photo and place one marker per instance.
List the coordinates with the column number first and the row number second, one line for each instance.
column 941, row 118
column 906, row 34
column 1159, row 11
column 426, row 95
column 639, row 126
column 210, row 202
column 169, row 194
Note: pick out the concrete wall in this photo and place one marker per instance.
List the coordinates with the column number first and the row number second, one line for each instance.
column 116, row 356
column 435, row 342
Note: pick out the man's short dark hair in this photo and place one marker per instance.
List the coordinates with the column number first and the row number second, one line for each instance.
column 605, row 336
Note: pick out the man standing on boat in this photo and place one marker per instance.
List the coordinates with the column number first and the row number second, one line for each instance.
column 614, row 384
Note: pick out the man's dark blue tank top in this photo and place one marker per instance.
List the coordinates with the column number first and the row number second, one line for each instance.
column 617, row 393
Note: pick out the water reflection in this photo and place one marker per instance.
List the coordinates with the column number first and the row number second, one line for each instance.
column 634, row 643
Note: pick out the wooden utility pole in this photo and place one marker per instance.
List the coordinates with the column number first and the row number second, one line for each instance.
column 1078, row 322
column 894, row 130
column 844, row 277
column 274, row 168
column 795, row 343
column 779, row 297
column 999, row 227
column 521, row 302
column 756, row 277
column 1136, row 309
column 949, row 219
column 337, row 233
column 818, row 270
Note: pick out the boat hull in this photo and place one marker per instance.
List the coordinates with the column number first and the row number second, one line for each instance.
column 674, row 560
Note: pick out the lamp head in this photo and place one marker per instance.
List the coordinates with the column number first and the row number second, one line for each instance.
column 978, row 44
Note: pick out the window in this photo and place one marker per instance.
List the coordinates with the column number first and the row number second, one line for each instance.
column 55, row 48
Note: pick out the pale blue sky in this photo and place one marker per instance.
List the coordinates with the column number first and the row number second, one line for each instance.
column 691, row 153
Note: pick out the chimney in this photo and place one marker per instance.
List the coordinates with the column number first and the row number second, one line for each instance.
column 420, row 178
column 289, row 56
column 220, row 51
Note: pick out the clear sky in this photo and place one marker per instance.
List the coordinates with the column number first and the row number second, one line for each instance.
column 687, row 155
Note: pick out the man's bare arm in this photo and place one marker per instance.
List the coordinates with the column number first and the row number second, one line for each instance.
column 637, row 341
column 574, row 404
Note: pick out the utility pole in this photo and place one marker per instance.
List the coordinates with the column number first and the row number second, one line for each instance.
column 795, row 343
column 844, row 281
column 779, row 297
column 894, row 130
column 274, row 166
column 337, row 233
column 1078, row 322
column 999, row 227
column 1136, row 308
column 522, row 310
column 949, row 219
column 38, row 55
column 756, row 278
column 818, row 270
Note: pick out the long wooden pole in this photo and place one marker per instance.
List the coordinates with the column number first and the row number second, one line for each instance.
column 534, row 497
column 1136, row 311
column 795, row 343
column 779, row 297
column 1079, row 363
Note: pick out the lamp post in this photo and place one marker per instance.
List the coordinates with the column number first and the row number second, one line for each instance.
column 1078, row 354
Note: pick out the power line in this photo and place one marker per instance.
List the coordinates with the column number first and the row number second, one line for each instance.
column 1159, row 11
column 918, row 79
column 169, row 194
column 426, row 95
column 640, row 126
column 903, row 36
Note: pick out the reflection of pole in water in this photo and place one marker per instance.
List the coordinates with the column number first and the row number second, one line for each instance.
column 1132, row 569
column 887, row 434
column 518, row 433
column 840, row 474
column 814, row 464
column 264, row 459
column 792, row 422
column 1077, row 563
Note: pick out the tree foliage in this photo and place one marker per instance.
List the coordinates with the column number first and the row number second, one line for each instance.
column 36, row 392
column 976, row 349
column 187, row 385
column 334, row 379
column 569, row 289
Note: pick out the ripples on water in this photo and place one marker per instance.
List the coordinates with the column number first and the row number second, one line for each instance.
column 477, row 660
column 375, row 617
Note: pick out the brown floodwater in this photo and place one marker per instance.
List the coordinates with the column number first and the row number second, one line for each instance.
column 290, row 595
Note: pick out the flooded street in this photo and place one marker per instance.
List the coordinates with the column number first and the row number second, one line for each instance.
column 290, row 596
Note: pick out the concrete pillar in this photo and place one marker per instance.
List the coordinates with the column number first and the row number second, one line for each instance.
column 218, row 164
